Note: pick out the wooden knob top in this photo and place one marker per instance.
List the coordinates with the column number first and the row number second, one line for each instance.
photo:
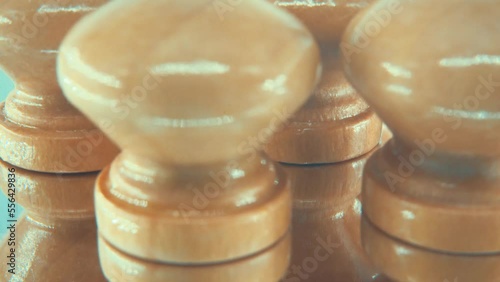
column 39, row 129
column 30, row 33
column 430, row 72
column 326, row 19
column 173, row 82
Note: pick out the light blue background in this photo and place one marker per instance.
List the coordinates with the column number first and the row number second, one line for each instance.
column 6, row 86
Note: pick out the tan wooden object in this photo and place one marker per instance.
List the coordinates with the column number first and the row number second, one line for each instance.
column 187, row 200
column 431, row 209
column 55, row 151
column 323, row 149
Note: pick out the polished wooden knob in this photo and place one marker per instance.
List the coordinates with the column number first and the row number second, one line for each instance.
column 183, row 100
column 434, row 186
column 335, row 124
column 50, row 154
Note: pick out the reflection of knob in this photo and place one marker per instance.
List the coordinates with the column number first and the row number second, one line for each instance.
column 326, row 223
column 434, row 186
column 335, row 124
column 39, row 129
column 180, row 99
column 323, row 149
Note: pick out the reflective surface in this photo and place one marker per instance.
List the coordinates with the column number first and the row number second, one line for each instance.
column 200, row 92
column 416, row 88
column 335, row 124
column 43, row 137
column 56, row 239
column 6, row 85
column 326, row 224
column 39, row 129
column 198, row 77
column 430, row 196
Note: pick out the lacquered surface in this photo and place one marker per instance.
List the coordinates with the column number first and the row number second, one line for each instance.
column 326, row 224
column 431, row 194
column 55, row 240
column 323, row 148
column 31, row 32
column 406, row 262
column 39, row 129
column 416, row 89
column 190, row 107
column 266, row 266
column 64, row 251
column 335, row 124
column 6, row 85
column 186, row 216
column 327, row 19
column 54, row 149
column 443, row 211
column 193, row 77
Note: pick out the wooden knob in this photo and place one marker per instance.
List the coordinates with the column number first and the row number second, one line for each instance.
column 434, row 185
column 49, row 153
column 188, row 189
column 418, row 91
column 40, row 130
column 326, row 19
column 335, row 124
column 190, row 97
column 264, row 266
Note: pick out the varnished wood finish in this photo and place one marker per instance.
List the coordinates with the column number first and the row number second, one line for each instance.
column 56, row 240
column 386, row 134
column 327, row 19
column 323, row 149
column 47, row 195
column 39, row 129
column 184, row 216
column 54, row 149
column 335, row 124
column 424, row 210
column 406, row 261
column 326, row 223
column 431, row 194
column 64, row 250
column 188, row 188
column 267, row 265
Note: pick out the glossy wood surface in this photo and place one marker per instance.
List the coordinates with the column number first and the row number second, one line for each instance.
column 430, row 195
column 56, row 238
column 323, row 149
column 55, row 151
column 184, row 216
column 326, row 224
column 267, row 265
column 39, row 129
column 335, row 124
column 202, row 92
